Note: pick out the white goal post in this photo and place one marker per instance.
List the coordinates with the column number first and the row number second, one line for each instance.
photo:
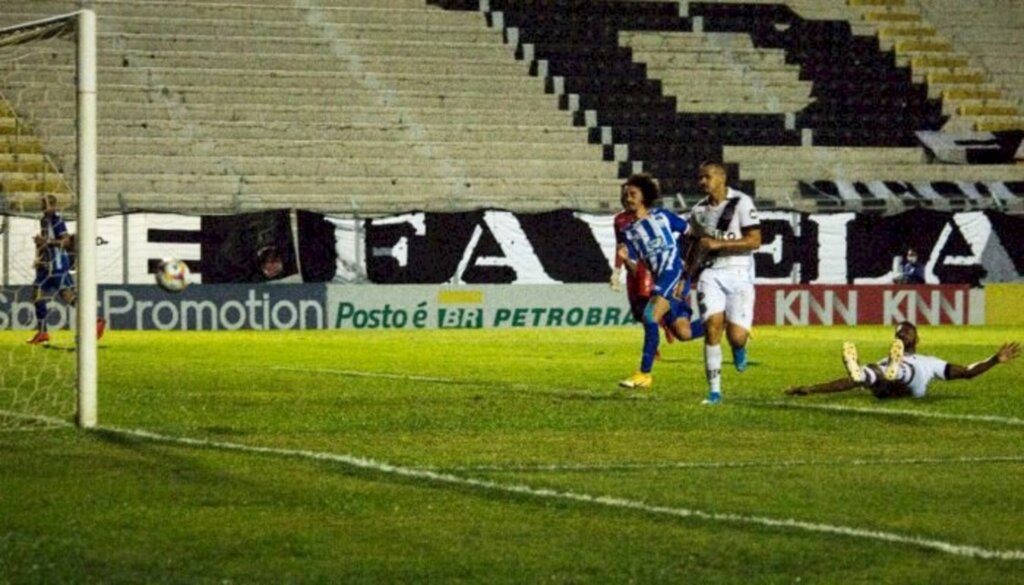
column 83, row 22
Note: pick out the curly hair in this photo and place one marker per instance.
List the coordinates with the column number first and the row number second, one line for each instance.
column 647, row 185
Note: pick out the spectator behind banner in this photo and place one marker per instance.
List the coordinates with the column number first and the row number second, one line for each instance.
column 911, row 270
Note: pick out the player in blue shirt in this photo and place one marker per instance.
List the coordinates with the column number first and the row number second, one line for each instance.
column 53, row 268
column 653, row 240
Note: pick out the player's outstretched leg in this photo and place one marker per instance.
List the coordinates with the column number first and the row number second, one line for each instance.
column 892, row 369
column 851, row 362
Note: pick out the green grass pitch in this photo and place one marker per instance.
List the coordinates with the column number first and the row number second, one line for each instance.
column 504, row 457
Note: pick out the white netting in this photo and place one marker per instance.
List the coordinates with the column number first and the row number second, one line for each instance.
column 37, row 108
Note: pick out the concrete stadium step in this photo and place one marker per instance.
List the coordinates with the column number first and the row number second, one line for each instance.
column 313, row 62
column 255, row 13
column 14, row 144
column 199, row 113
column 41, row 95
column 28, row 202
column 32, row 182
column 24, row 163
column 565, row 152
column 193, row 78
column 462, row 33
column 416, row 163
column 699, row 75
column 323, row 45
column 327, row 131
column 681, row 40
column 364, row 187
column 110, row 25
column 799, row 155
column 713, row 60
column 753, row 104
column 880, row 172
column 362, row 204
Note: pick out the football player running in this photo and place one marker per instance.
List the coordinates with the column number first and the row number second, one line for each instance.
column 725, row 231
column 652, row 242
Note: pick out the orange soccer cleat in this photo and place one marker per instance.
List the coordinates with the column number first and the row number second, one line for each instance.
column 39, row 337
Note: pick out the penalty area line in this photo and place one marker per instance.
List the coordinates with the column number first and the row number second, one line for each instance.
column 603, row 501
column 1005, row 420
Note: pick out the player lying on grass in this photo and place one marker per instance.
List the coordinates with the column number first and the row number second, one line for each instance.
column 904, row 372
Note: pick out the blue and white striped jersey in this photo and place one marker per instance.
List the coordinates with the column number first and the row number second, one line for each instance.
column 56, row 258
column 652, row 240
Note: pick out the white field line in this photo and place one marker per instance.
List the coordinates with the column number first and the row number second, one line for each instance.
column 583, row 467
column 1006, row 420
column 546, row 493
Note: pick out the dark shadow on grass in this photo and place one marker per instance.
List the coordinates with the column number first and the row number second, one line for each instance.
column 67, row 348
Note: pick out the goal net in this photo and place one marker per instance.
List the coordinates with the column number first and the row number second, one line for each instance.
column 47, row 202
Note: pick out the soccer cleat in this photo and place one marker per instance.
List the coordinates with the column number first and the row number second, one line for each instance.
column 850, row 361
column 637, row 380
column 739, row 358
column 713, row 398
column 39, row 337
column 101, row 327
column 892, row 369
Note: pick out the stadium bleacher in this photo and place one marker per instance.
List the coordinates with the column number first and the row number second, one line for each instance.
column 375, row 107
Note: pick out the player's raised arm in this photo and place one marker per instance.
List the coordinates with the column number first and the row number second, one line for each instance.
column 1008, row 352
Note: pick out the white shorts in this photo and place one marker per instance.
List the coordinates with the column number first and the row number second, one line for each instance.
column 729, row 290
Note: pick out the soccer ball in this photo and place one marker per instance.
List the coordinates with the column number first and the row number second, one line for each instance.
column 172, row 275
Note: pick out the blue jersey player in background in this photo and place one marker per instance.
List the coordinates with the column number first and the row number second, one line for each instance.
column 53, row 268
column 653, row 240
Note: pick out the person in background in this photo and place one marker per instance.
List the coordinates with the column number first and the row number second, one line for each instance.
column 53, row 268
column 911, row 269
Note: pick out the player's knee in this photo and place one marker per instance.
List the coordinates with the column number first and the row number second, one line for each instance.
column 650, row 315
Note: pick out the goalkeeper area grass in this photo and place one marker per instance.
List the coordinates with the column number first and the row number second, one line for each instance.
column 505, row 456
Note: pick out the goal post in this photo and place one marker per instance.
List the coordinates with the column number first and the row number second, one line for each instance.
column 81, row 24
column 86, row 240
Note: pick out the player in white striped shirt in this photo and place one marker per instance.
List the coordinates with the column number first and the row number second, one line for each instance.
column 905, row 372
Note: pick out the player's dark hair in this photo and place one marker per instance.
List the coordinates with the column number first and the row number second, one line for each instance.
column 647, row 185
column 710, row 164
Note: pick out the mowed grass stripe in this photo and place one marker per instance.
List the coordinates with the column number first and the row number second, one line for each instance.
column 577, row 467
column 602, row 501
column 794, row 403
column 974, row 418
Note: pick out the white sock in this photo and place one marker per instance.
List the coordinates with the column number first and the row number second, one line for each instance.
column 713, row 367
